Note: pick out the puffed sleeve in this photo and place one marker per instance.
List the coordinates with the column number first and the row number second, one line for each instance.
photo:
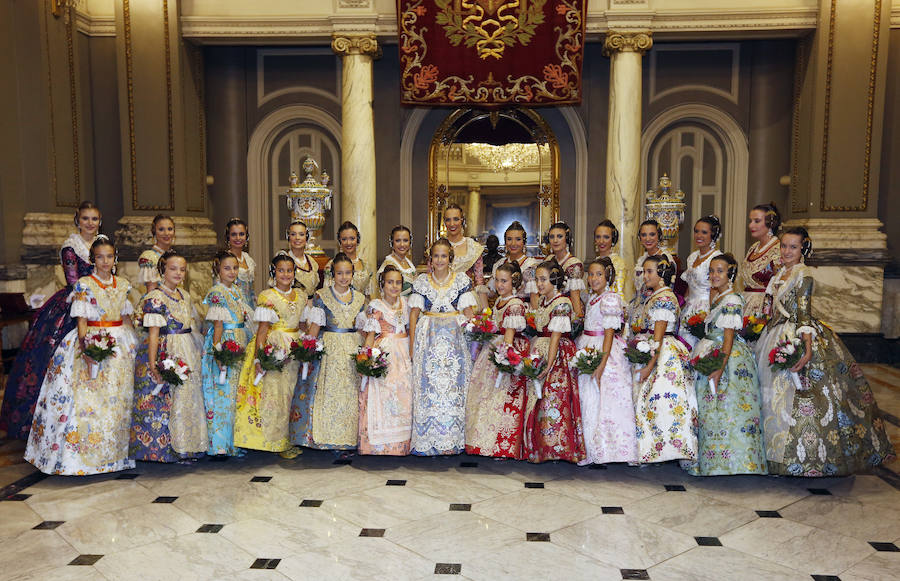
column 466, row 300
column 217, row 310
column 84, row 304
column 416, row 301
column 611, row 311
column 155, row 312
column 314, row 312
column 732, row 315
column 127, row 307
column 530, row 287
column 147, row 271
column 805, row 321
column 69, row 260
column 663, row 309
column 372, row 324
column 514, row 317
column 561, row 319
column 575, row 274
column 265, row 309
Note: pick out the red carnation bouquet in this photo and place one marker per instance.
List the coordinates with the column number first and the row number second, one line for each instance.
column 370, row 362
column 98, row 346
column 696, row 324
column 708, row 364
column 271, row 358
column 480, row 328
column 228, row 354
column 506, row 359
column 785, row 354
column 305, row 351
column 531, row 367
column 173, row 371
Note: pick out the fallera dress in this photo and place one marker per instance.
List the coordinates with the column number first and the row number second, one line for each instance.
column 823, row 420
column 147, row 270
column 665, row 402
column 362, row 277
column 385, row 404
column 408, row 272
column 53, row 322
column 756, row 271
column 306, row 274
column 527, row 264
column 225, row 305
column 607, row 410
column 495, row 413
column 325, row 407
column 553, row 422
column 622, row 274
column 81, row 424
column 262, row 411
column 246, row 278
column 169, row 425
column 442, row 365
column 729, row 437
column 697, row 279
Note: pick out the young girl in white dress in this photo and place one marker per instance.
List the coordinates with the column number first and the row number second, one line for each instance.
column 82, row 417
column 707, row 232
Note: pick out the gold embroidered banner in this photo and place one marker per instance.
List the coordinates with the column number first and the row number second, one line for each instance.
column 491, row 52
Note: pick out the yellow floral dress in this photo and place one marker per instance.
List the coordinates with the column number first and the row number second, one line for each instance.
column 262, row 411
column 362, row 277
column 306, row 275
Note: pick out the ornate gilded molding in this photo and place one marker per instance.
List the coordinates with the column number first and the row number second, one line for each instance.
column 639, row 42
column 366, row 44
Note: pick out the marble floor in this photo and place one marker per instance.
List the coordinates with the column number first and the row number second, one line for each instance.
column 321, row 517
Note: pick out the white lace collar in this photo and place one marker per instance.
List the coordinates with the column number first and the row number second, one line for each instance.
column 81, row 248
column 397, row 316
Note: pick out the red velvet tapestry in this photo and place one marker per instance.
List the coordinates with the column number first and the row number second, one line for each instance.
column 491, row 52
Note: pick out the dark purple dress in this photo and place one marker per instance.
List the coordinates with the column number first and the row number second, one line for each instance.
column 53, row 322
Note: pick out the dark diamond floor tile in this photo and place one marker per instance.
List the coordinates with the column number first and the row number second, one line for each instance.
column 17, row 497
column 85, row 559
column 261, row 479
column 819, row 491
column 395, row 483
column 307, row 503
column 708, row 541
column 210, row 528
column 598, row 467
column 343, row 461
column 129, row 476
column 447, row 568
column 675, row 488
column 48, row 525
column 768, row 514
column 21, row 484
column 460, row 507
column 634, row 574
column 887, row 547
column 825, row 578
column 371, row 533
column 538, row 537
column 165, row 499
column 612, row 510
column 468, row 464
column 534, row 485
column 265, row 563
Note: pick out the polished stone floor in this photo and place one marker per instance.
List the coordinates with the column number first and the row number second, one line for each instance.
column 320, row 517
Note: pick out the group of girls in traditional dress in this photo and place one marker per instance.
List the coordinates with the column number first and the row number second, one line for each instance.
column 82, row 416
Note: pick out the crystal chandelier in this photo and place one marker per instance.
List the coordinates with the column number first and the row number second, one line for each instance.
column 507, row 157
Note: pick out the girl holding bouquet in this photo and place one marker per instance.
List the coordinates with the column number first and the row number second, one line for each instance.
column 665, row 402
column 266, row 384
column 83, row 412
column 442, row 300
column 728, row 399
column 225, row 338
column 707, row 232
column 169, row 422
column 385, row 404
column 553, row 425
column 495, row 404
column 819, row 414
column 607, row 405
column 325, row 408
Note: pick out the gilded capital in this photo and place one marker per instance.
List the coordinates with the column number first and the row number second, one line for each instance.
column 356, row 44
column 627, row 42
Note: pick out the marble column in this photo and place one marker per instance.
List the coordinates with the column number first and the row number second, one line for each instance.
column 358, row 139
column 473, row 211
column 623, row 156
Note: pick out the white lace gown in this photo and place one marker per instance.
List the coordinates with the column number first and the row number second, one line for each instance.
column 697, row 279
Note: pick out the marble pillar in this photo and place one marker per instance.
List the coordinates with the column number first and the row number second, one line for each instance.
column 623, row 157
column 358, row 139
column 473, row 211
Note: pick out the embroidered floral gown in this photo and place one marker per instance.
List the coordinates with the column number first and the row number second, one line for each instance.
column 638, row 303
column 147, row 269
column 246, row 277
column 495, row 413
column 757, row 269
column 385, row 405
column 665, row 402
column 697, row 280
column 225, row 305
column 553, row 423
column 262, row 411
column 607, row 410
column 81, row 424
column 468, row 258
column 362, row 277
column 527, row 264
column 306, row 275
column 170, row 425
column 53, row 322
column 408, row 272
column 574, row 269
column 441, row 365
column 729, row 439
column 823, row 421
column 325, row 407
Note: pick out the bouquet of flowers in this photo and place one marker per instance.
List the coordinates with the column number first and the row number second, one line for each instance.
column 228, row 354
column 530, row 325
column 587, row 360
column 753, row 327
column 99, row 346
column 172, row 370
column 708, row 364
column 271, row 358
column 370, row 362
column 506, row 359
column 696, row 324
column 307, row 350
column 785, row 354
column 480, row 328
column 640, row 351
column 531, row 367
